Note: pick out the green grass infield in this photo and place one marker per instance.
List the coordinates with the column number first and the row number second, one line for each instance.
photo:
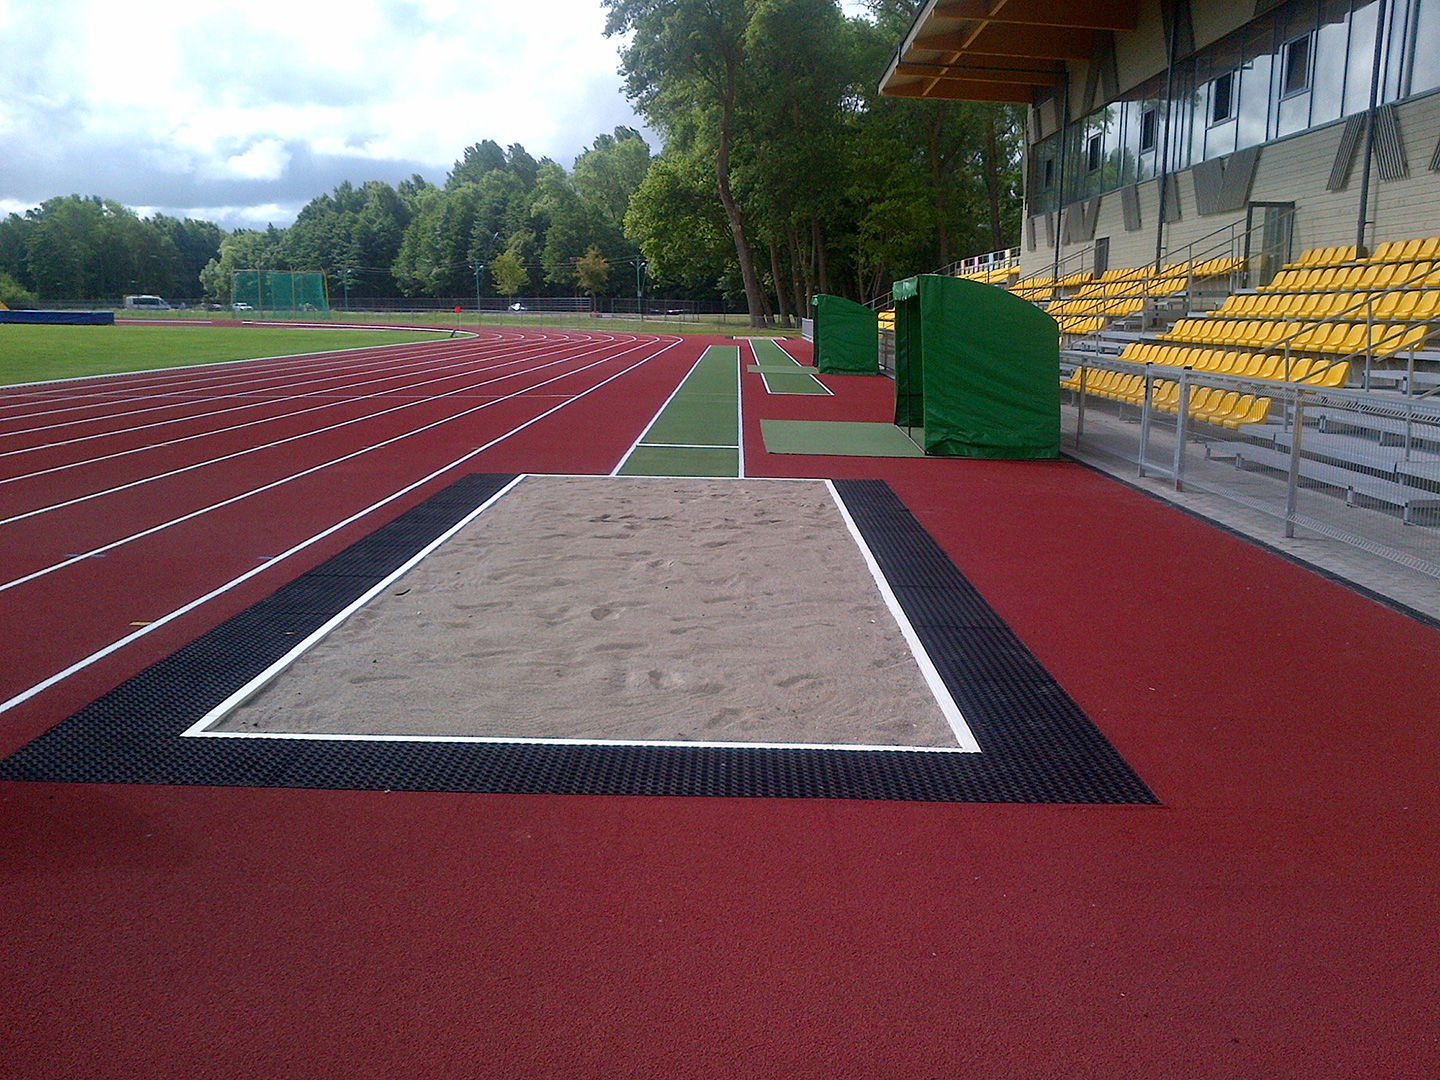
column 39, row 353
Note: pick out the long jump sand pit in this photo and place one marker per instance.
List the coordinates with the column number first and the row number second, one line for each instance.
column 624, row 608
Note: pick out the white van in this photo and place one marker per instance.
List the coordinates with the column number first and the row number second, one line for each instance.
column 148, row 303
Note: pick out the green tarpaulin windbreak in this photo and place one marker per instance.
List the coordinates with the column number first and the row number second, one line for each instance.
column 977, row 368
column 847, row 337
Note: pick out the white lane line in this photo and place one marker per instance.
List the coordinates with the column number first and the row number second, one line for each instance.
column 64, row 390
column 951, row 711
column 79, row 499
column 44, row 571
column 740, row 409
column 165, row 620
column 388, row 392
column 195, row 390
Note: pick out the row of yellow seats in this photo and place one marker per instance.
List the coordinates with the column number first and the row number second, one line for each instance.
column 1408, row 305
column 1326, row 256
column 1224, row 408
column 1380, row 339
column 1355, row 278
column 1318, row 371
column 1112, row 306
column 993, row 276
column 1406, row 250
column 1078, row 325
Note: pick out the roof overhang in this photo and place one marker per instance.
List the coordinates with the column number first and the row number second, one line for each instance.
column 998, row 50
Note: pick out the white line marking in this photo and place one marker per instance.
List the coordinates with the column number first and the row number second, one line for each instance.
column 326, row 464
column 309, row 642
column 460, row 371
column 740, row 410
column 963, row 735
column 692, row 446
column 115, row 646
column 507, row 740
column 316, row 431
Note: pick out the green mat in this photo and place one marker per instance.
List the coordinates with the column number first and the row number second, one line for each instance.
column 837, row 438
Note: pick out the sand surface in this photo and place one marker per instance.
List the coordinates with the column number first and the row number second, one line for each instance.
column 623, row 608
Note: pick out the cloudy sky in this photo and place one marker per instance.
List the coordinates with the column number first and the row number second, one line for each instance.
column 241, row 111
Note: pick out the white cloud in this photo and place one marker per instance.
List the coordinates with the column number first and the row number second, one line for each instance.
column 266, row 160
column 267, row 103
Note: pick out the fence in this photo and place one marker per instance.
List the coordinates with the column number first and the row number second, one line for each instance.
column 1360, row 467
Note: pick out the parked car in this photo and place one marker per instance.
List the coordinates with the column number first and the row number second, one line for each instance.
column 145, row 302
column 241, row 306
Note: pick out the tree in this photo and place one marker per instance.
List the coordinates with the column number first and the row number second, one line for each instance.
column 592, row 273
column 15, row 295
column 685, row 68
column 507, row 273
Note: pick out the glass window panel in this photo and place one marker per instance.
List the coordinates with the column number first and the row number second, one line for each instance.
column 1394, row 74
column 1295, row 66
column 1425, row 68
column 1253, row 121
column 1327, row 80
column 1361, row 59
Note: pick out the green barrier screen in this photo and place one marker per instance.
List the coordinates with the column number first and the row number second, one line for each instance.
column 977, row 368
column 847, row 337
column 280, row 290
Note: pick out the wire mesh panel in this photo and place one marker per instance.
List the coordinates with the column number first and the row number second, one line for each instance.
column 279, row 290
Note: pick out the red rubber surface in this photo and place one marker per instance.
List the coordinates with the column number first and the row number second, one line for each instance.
column 1275, row 918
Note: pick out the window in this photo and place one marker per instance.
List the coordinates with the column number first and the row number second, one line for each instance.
column 1295, row 66
column 1149, row 124
column 1093, row 148
column 1049, row 181
column 1222, row 98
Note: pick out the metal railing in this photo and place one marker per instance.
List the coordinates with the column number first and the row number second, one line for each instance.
column 1361, row 467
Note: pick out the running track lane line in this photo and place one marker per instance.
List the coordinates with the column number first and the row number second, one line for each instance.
column 457, row 374
column 291, row 438
column 81, row 556
column 164, row 620
column 178, row 399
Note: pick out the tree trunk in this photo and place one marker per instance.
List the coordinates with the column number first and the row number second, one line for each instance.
column 937, row 188
column 754, row 295
column 781, row 300
column 822, row 275
column 992, row 182
column 799, row 273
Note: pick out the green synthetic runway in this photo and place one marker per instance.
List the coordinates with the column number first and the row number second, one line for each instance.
column 838, row 438
column 783, row 374
column 697, row 433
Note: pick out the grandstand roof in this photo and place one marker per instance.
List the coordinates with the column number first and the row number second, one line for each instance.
column 997, row 50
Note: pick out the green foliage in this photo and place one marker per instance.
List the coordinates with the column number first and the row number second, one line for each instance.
column 509, row 275
column 783, row 173
column 592, row 272
column 15, row 295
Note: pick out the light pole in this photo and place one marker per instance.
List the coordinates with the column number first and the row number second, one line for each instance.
column 640, row 288
column 478, row 266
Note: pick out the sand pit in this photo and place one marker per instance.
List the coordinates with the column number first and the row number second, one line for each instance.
column 623, row 608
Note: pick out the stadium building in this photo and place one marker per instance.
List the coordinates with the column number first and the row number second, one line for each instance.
column 1159, row 128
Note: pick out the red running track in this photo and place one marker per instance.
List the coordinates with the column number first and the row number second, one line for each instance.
column 1274, row 918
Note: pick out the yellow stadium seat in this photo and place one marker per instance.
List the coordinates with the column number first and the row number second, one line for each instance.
column 1255, row 412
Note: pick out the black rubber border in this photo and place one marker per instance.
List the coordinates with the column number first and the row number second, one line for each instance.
column 1038, row 745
